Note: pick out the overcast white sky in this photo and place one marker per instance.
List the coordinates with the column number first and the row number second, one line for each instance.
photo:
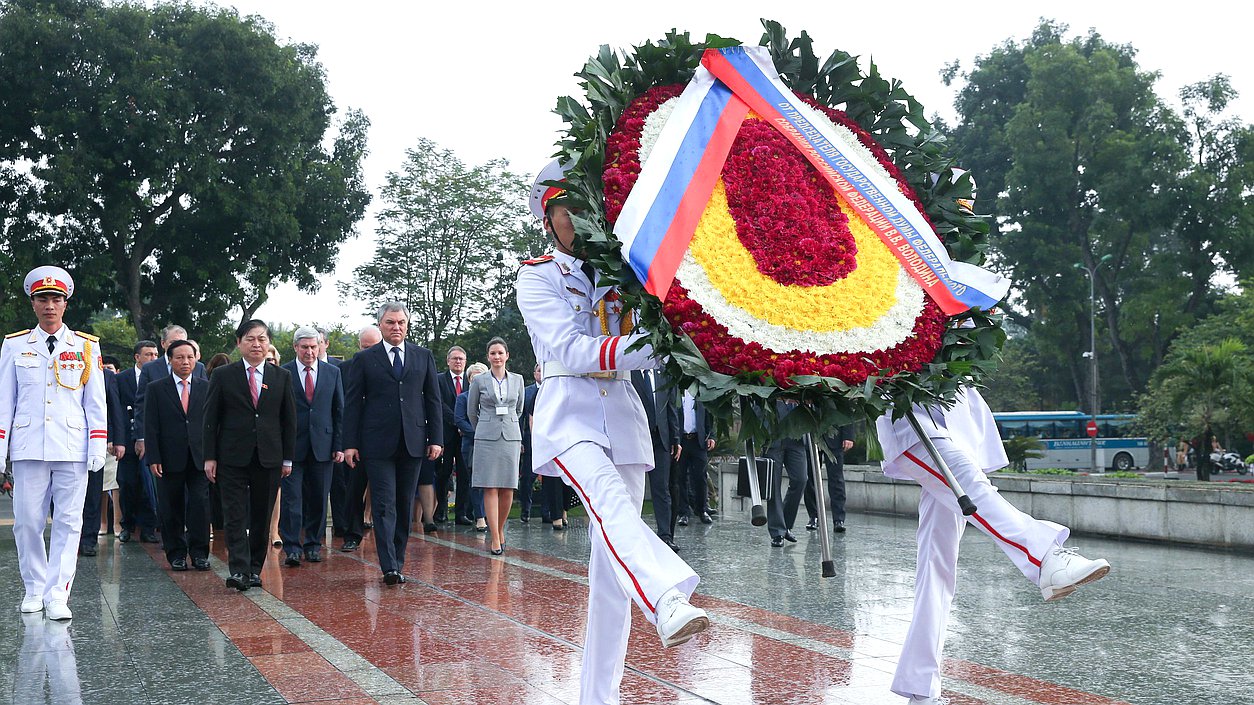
column 481, row 78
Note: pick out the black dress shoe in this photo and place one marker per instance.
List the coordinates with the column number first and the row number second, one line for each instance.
column 391, row 577
column 179, row 564
column 712, row 511
column 238, row 581
column 524, row 518
column 705, row 518
column 368, row 525
column 777, row 541
column 789, row 537
column 254, row 580
column 88, row 550
column 673, row 546
column 200, row 563
column 350, row 545
column 496, row 551
column 430, row 528
column 149, row 537
column 683, row 521
column 293, row 560
column 463, row 521
column 313, row 555
column 125, row 536
column 812, row 525
column 839, row 527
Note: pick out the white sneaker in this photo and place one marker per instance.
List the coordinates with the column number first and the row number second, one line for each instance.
column 677, row 620
column 921, row 700
column 58, row 610
column 31, row 605
column 1064, row 569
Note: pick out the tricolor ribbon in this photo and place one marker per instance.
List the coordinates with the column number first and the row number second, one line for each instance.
column 661, row 213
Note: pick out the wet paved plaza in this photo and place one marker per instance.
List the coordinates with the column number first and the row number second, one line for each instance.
column 1168, row 626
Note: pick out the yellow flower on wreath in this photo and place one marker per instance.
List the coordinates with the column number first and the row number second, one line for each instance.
column 856, row 301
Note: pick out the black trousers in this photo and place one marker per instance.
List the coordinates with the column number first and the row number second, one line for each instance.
column 137, row 504
column 694, row 500
column 357, row 481
column 781, row 512
column 526, row 483
column 247, row 499
column 304, row 505
column 835, row 490
column 393, row 482
column 660, row 491
column 449, row 465
column 91, row 509
column 553, row 501
column 463, row 504
column 183, row 493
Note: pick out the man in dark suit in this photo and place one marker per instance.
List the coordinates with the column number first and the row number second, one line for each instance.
column 393, row 420
column 175, row 420
column 527, row 476
column 349, row 484
column 451, row 465
column 697, row 440
column 838, row 444
column 659, row 400
column 319, row 397
column 250, row 439
column 157, row 369
column 138, row 495
column 95, row 480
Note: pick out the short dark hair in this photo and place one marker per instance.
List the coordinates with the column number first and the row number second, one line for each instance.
column 111, row 360
column 144, row 344
column 497, row 341
column 249, row 326
column 169, row 352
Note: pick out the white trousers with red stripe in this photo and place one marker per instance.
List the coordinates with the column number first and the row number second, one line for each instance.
column 48, row 573
column 629, row 563
column 1023, row 539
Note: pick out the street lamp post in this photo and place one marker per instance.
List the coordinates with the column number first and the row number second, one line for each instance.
column 1092, row 354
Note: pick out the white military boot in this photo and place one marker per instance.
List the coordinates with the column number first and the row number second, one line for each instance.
column 1064, row 569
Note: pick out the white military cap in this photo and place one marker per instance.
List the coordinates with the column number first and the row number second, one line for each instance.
column 541, row 194
column 49, row 280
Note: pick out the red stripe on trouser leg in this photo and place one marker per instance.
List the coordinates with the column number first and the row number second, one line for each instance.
column 992, row 532
column 587, row 503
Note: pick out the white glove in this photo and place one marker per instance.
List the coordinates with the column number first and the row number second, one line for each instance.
column 95, row 463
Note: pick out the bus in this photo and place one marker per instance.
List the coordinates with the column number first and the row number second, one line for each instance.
column 1066, row 444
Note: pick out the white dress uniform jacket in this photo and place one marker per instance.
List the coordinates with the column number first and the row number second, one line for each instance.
column 560, row 307
column 969, row 424
column 42, row 418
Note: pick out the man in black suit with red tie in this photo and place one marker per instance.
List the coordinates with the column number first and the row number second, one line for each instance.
column 250, row 438
column 175, row 428
column 451, row 464
column 393, row 421
column 319, row 413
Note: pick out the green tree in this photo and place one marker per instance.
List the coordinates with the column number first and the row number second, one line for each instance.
column 449, row 239
column 172, row 155
column 1206, row 388
column 1088, row 163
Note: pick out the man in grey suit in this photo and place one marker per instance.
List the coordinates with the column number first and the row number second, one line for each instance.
column 660, row 407
column 319, row 396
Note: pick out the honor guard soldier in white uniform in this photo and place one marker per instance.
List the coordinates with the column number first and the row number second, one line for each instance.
column 590, row 430
column 966, row 437
column 53, row 429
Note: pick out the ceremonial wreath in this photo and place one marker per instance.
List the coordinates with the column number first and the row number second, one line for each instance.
column 785, row 227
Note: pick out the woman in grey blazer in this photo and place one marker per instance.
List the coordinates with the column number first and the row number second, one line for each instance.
column 494, row 404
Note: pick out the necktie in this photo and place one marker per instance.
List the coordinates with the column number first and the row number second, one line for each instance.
column 309, row 389
column 185, row 394
column 398, row 370
column 252, row 385
column 52, row 343
column 457, row 384
column 589, row 272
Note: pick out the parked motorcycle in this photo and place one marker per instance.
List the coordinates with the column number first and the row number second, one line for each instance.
column 1228, row 461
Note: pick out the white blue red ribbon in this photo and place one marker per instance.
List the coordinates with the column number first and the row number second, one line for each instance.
column 661, row 213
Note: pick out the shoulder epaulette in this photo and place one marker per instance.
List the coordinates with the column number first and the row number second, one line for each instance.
column 14, row 335
column 539, row 260
column 88, row 336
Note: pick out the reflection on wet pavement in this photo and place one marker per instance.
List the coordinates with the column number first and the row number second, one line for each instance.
column 1169, row 625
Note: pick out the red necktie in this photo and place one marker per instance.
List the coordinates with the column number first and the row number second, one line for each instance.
column 252, row 385
column 184, row 395
column 457, row 383
column 309, row 387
